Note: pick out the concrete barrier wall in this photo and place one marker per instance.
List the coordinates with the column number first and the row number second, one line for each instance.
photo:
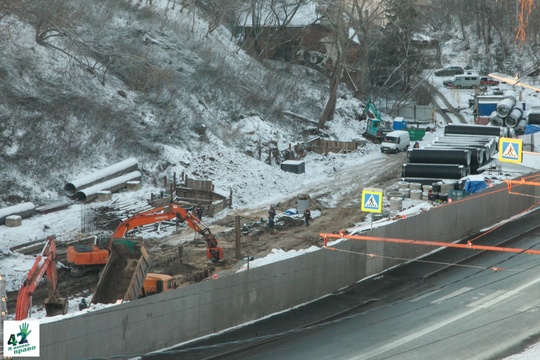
column 181, row 315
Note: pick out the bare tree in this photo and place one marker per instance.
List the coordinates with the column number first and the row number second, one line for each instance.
column 335, row 14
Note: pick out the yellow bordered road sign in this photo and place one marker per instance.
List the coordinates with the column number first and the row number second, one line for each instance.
column 511, row 150
column 372, row 200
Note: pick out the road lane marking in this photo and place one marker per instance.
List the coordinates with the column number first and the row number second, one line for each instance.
column 418, row 334
column 490, row 299
column 424, row 296
column 451, row 295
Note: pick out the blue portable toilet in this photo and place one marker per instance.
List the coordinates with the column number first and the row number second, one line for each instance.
column 399, row 123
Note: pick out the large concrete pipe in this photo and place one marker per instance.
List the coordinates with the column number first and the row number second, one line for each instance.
column 520, row 127
column 100, row 176
column 505, row 106
column 513, row 118
column 495, row 119
column 112, row 185
column 24, row 210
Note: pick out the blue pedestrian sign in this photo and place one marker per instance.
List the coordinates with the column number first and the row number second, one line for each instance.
column 372, row 200
column 511, row 150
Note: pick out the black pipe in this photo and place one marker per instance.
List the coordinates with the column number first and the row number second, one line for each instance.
column 445, row 171
column 442, row 156
column 474, row 130
column 477, row 153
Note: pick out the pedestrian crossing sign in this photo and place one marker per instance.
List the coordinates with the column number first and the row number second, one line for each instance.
column 372, row 200
column 511, row 150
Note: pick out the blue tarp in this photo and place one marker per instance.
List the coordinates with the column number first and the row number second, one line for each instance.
column 474, row 186
column 531, row 129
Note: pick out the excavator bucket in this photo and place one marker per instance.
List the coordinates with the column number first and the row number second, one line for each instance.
column 57, row 306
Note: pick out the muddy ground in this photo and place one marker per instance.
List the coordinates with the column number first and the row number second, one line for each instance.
column 188, row 263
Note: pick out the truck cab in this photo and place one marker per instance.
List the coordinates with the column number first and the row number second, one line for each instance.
column 158, row 283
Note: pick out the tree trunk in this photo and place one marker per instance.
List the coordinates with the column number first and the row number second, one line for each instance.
column 330, row 108
column 340, row 38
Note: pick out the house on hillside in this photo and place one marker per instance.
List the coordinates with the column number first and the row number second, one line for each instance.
column 302, row 34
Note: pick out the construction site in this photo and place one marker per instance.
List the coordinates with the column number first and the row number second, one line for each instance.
column 114, row 225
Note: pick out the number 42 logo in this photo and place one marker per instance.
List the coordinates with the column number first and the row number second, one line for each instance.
column 23, row 335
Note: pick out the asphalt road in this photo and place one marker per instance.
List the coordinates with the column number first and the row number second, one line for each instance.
column 452, row 305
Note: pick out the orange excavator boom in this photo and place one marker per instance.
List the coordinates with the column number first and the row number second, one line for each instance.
column 169, row 212
column 85, row 258
column 160, row 214
column 44, row 263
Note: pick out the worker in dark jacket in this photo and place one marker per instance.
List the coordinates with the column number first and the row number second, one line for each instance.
column 245, row 232
column 307, row 216
column 83, row 305
column 271, row 216
column 271, row 212
column 199, row 211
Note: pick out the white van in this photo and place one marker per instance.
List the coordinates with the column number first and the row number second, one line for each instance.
column 396, row 141
column 466, row 81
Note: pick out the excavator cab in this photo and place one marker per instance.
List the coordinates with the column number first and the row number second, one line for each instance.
column 102, row 241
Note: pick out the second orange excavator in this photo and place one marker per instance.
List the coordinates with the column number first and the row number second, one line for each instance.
column 45, row 265
column 84, row 258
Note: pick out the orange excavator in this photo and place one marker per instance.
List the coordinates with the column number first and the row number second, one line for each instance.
column 45, row 263
column 83, row 258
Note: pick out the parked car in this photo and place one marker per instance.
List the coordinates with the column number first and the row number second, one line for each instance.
column 449, row 71
column 465, row 81
column 487, row 81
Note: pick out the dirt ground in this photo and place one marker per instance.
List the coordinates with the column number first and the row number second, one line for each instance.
column 188, row 263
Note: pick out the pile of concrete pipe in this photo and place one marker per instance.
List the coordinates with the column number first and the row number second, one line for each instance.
column 112, row 178
column 509, row 113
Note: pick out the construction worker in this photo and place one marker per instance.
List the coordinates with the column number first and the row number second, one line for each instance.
column 416, row 145
column 83, row 305
column 307, row 216
column 271, row 212
column 271, row 216
column 271, row 223
column 199, row 211
column 245, row 232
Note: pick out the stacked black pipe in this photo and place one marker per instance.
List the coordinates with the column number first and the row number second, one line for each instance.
column 462, row 150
